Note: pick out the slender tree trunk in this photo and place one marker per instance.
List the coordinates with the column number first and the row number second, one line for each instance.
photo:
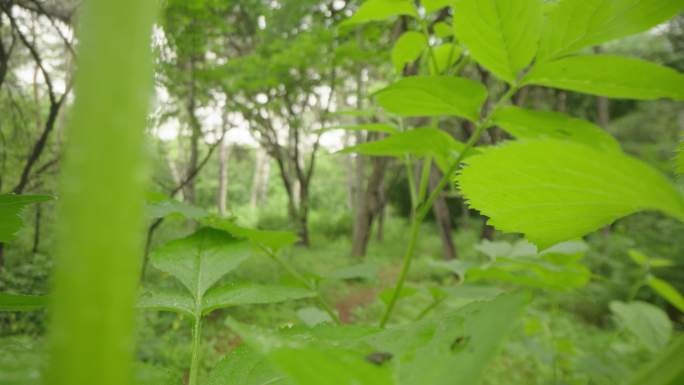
column 442, row 218
column 368, row 209
column 260, row 178
column 195, row 135
column 36, row 228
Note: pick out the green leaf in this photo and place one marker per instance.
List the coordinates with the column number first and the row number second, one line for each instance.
column 571, row 25
column 420, row 142
column 443, row 30
column 250, row 294
column 446, row 55
column 274, row 240
column 665, row 369
column 435, row 5
column 644, row 260
column 433, row 96
column 408, row 48
column 378, row 10
column 647, row 323
column 201, row 259
column 312, row 316
column 554, row 191
column 556, row 268
column 244, row 366
column 18, row 302
column 611, row 76
column 11, row 207
column 453, row 348
column 501, row 35
column 314, row 362
column 161, row 206
column 168, row 300
column 530, row 124
column 667, row 291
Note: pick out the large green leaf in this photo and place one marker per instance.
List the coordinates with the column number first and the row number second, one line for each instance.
column 370, row 127
column 18, row 302
column 408, row 48
column 555, row 191
column 377, row 10
column 433, row 96
column 312, row 362
column 201, row 259
column 453, row 348
column 420, row 142
column 251, row 294
column 10, row 209
column 530, row 124
column 571, row 25
column 647, row 323
column 665, row 369
column 244, row 366
column 502, row 35
column 611, row 76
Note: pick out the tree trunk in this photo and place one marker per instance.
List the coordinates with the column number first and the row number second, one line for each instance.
column 195, row 135
column 260, row 178
column 442, row 218
column 223, row 156
column 368, row 207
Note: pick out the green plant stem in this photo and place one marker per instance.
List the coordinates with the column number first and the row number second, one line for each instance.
column 295, row 274
column 196, row 344
column 419, row 214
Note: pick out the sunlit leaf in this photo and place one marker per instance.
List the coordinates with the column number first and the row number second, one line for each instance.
column 378, row 10
column 421, row 142
column 501, row 35
column 433, row 96
column 11, row 207
column 408, row 48
column 445, row 56
column 530, row 124
column 611, row 76
column 571, row 25
column 435, row 5
column 553, row 191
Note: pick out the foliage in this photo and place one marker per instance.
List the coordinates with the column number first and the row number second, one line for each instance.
column 10, row 210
